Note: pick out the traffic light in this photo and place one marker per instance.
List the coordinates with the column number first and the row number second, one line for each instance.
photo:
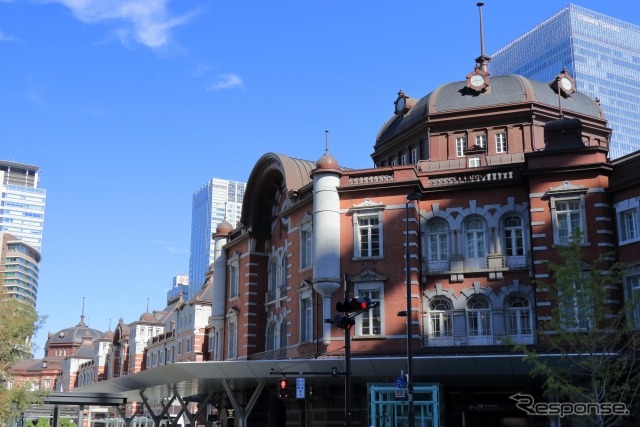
column 343, row 322
column 282, row 388
column 354, row 304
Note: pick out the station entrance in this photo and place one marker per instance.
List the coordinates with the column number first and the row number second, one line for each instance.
column 388, row 407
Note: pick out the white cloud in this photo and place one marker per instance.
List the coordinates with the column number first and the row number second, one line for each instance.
column 148, row 22
column 226, row 81
column 6, row 37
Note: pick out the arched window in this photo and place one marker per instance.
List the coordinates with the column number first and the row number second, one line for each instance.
column 273, row 273
column 440, row 322
column 282, row 342
column 513, row 236
column 475, row 237
column 519, row 319
column 479, row 321
column 270, row 343
column 437, row 240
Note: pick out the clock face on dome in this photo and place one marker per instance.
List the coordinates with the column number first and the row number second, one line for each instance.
column 477, row 80
column 401, row 103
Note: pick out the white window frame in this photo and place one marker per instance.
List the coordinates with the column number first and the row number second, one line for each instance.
column 461, row 146
column 306, row 315
column 501, row 142
column 479, row 321
column 519, row 319
column 440, row 322
column 437, row 240
column 232, row 336
column 366, row 233
column 403, row 159
column 481, row 140
column 629, row 225
column 475, row 162
column 475, row 238
column 562, row 213
column 306, row 243
column 234, row 278
column 369, row 320
column 573, row 312
column 632, row 285
column 414, row 156
column 513, row 236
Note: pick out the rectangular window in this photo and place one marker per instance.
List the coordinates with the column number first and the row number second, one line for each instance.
column 501, row 142
column 394, row 162
column 306, row 248
column 461, row 146
column 306, row 320
column 188, row 345
column 234, row 281
column 370, row 322
column 403, row 159
column 474, row 162
column 628, row 225
column 232, row 343
column 179, row 347
column 481, row 140
column 568, row 219
column 414, row 156
column 369, row 236
column 633, row 286
column 576, row 309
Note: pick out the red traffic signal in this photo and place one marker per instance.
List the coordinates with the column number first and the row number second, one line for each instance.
column 282, row 388
column 355, row 304
column 344, row 322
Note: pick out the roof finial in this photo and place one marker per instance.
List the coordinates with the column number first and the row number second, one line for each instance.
column 326, row 142
column 82, row 315
column 147, row 305
column 482, row 60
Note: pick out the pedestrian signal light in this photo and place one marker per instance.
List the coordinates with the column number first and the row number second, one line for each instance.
column 344, row 322
column 282, row 388
column 354, row 304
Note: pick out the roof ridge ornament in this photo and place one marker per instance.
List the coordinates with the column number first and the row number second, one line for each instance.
column 478, row 79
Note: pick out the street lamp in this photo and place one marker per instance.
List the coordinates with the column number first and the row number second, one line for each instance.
column 414, row 196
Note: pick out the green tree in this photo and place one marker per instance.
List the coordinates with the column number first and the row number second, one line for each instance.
column 42, row 422
column 591, row 331
column 18, row 323
column 66, row 422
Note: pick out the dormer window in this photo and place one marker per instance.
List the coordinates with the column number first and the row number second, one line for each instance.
column 481, row 140
column 461, row 146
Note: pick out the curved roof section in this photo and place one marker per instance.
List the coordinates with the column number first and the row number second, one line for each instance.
column 73, row 335
column 504, row 90
column 272, row 173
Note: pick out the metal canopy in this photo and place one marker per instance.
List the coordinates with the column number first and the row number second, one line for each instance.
column 193, row 378
column 84, row 398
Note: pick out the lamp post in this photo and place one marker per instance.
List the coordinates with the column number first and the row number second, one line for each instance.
column 411, row 422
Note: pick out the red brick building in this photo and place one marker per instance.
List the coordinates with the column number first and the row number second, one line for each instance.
column 474, row 185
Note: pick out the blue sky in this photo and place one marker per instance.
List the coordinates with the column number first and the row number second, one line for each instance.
column 128, row 106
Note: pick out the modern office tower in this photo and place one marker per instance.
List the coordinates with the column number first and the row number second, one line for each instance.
column 180, row 287
column 600, row 52
column 215, row 201
column 22, row 202
column 19, row 268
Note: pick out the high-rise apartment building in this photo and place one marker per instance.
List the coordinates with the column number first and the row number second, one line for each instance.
column 215, row 201
column 19, row 270
column 22, row 202
column 602, row 54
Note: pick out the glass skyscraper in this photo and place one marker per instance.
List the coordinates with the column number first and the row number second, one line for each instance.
column 600, row 52
column 21, row 222
column 22, row 202
column 215, row 201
